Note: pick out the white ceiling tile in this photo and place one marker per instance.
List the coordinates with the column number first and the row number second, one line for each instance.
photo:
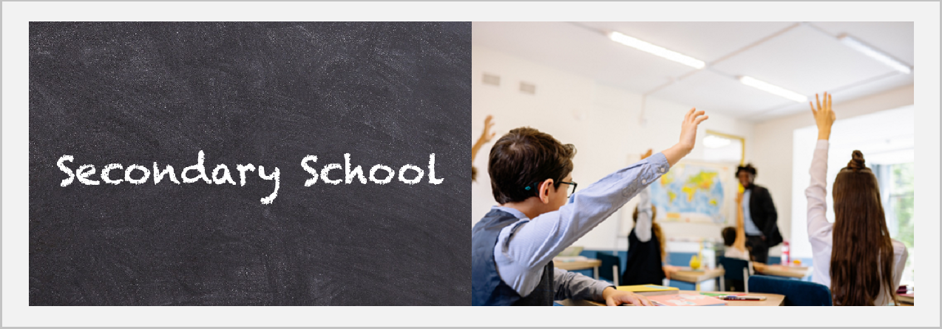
column 575, row 49
column 706, row 41
column 894, row 38
column 717, row 93
column 872, row 87
column 805, row 61
column 778, row 112
column 887, row 83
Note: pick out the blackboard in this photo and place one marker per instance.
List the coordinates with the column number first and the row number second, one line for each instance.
column 265, row 93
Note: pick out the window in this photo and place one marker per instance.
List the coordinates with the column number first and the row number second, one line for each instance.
column 723, row 148
column 896, row 190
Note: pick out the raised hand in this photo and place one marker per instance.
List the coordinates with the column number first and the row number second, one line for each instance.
column 688, row 130
column 823, row 116
column 688, row 136
column 487, row 135
column 647, row 154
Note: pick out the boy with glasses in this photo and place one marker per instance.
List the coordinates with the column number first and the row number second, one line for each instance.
column 512, row 247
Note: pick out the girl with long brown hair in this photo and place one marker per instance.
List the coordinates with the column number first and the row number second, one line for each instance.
column 855, row 256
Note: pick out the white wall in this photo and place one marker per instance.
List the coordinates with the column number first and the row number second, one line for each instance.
column 602, row 121
column 772, row 154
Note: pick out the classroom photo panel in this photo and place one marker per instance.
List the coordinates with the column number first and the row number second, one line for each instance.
column 305, row 164
column 770, row 198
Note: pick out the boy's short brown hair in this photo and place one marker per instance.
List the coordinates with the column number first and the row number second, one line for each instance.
column 523, row 157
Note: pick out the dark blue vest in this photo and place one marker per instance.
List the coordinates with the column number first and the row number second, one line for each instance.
column 487, row 289
column 644, row 261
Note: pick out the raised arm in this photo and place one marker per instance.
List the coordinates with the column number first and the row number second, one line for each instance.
column 688, row 135
column 486, row 136
column 740, row 242
column 531, row 244
column 819, row 230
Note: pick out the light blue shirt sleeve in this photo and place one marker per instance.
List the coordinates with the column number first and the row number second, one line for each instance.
column 525, row 247
column 570, row 285
column 749, row 226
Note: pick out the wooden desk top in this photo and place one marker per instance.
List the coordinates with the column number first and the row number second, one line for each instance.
column 770, row 300
column 687, row 275
column 786, row 271
column 577, row 265
column 906, row 300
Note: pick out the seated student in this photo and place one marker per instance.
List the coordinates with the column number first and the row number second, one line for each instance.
column 645, row 255
column 512, row 247
column 735, row 241
column 735, row 238
column 854, row 256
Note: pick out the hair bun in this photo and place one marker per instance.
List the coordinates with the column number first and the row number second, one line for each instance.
column 857, row 161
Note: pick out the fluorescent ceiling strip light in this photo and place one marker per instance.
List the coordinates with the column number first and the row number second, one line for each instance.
column 773, row 89
column 660, row 51
column 875, row 54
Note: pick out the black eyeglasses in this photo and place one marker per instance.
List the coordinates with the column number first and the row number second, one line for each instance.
column 536, row 185
column 573, row 184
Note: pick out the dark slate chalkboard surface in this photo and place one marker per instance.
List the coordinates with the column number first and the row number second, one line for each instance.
column 261, row 93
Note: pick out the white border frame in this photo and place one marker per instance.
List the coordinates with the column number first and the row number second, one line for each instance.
column 16, row 16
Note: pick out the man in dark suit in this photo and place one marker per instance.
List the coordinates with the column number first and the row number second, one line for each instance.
column 761, row 219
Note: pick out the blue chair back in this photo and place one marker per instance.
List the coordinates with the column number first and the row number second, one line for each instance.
column 797, row 293
column 733, row 268
column 605, row 270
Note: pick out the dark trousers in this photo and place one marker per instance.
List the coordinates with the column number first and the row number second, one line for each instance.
column 758, row 249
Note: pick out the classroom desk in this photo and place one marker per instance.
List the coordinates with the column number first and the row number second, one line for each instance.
column 580, row 265
column 695, row 277
column 770, row 300
column 799, row 272
column 906, row 301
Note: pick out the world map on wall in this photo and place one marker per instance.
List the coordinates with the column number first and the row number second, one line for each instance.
column 690, row 193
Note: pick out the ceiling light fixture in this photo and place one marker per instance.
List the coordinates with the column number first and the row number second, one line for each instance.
column 656, row 50
column 875, row 54
column 772, row 89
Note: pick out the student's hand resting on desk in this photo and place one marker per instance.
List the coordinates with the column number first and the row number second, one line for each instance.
column 615, row 297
